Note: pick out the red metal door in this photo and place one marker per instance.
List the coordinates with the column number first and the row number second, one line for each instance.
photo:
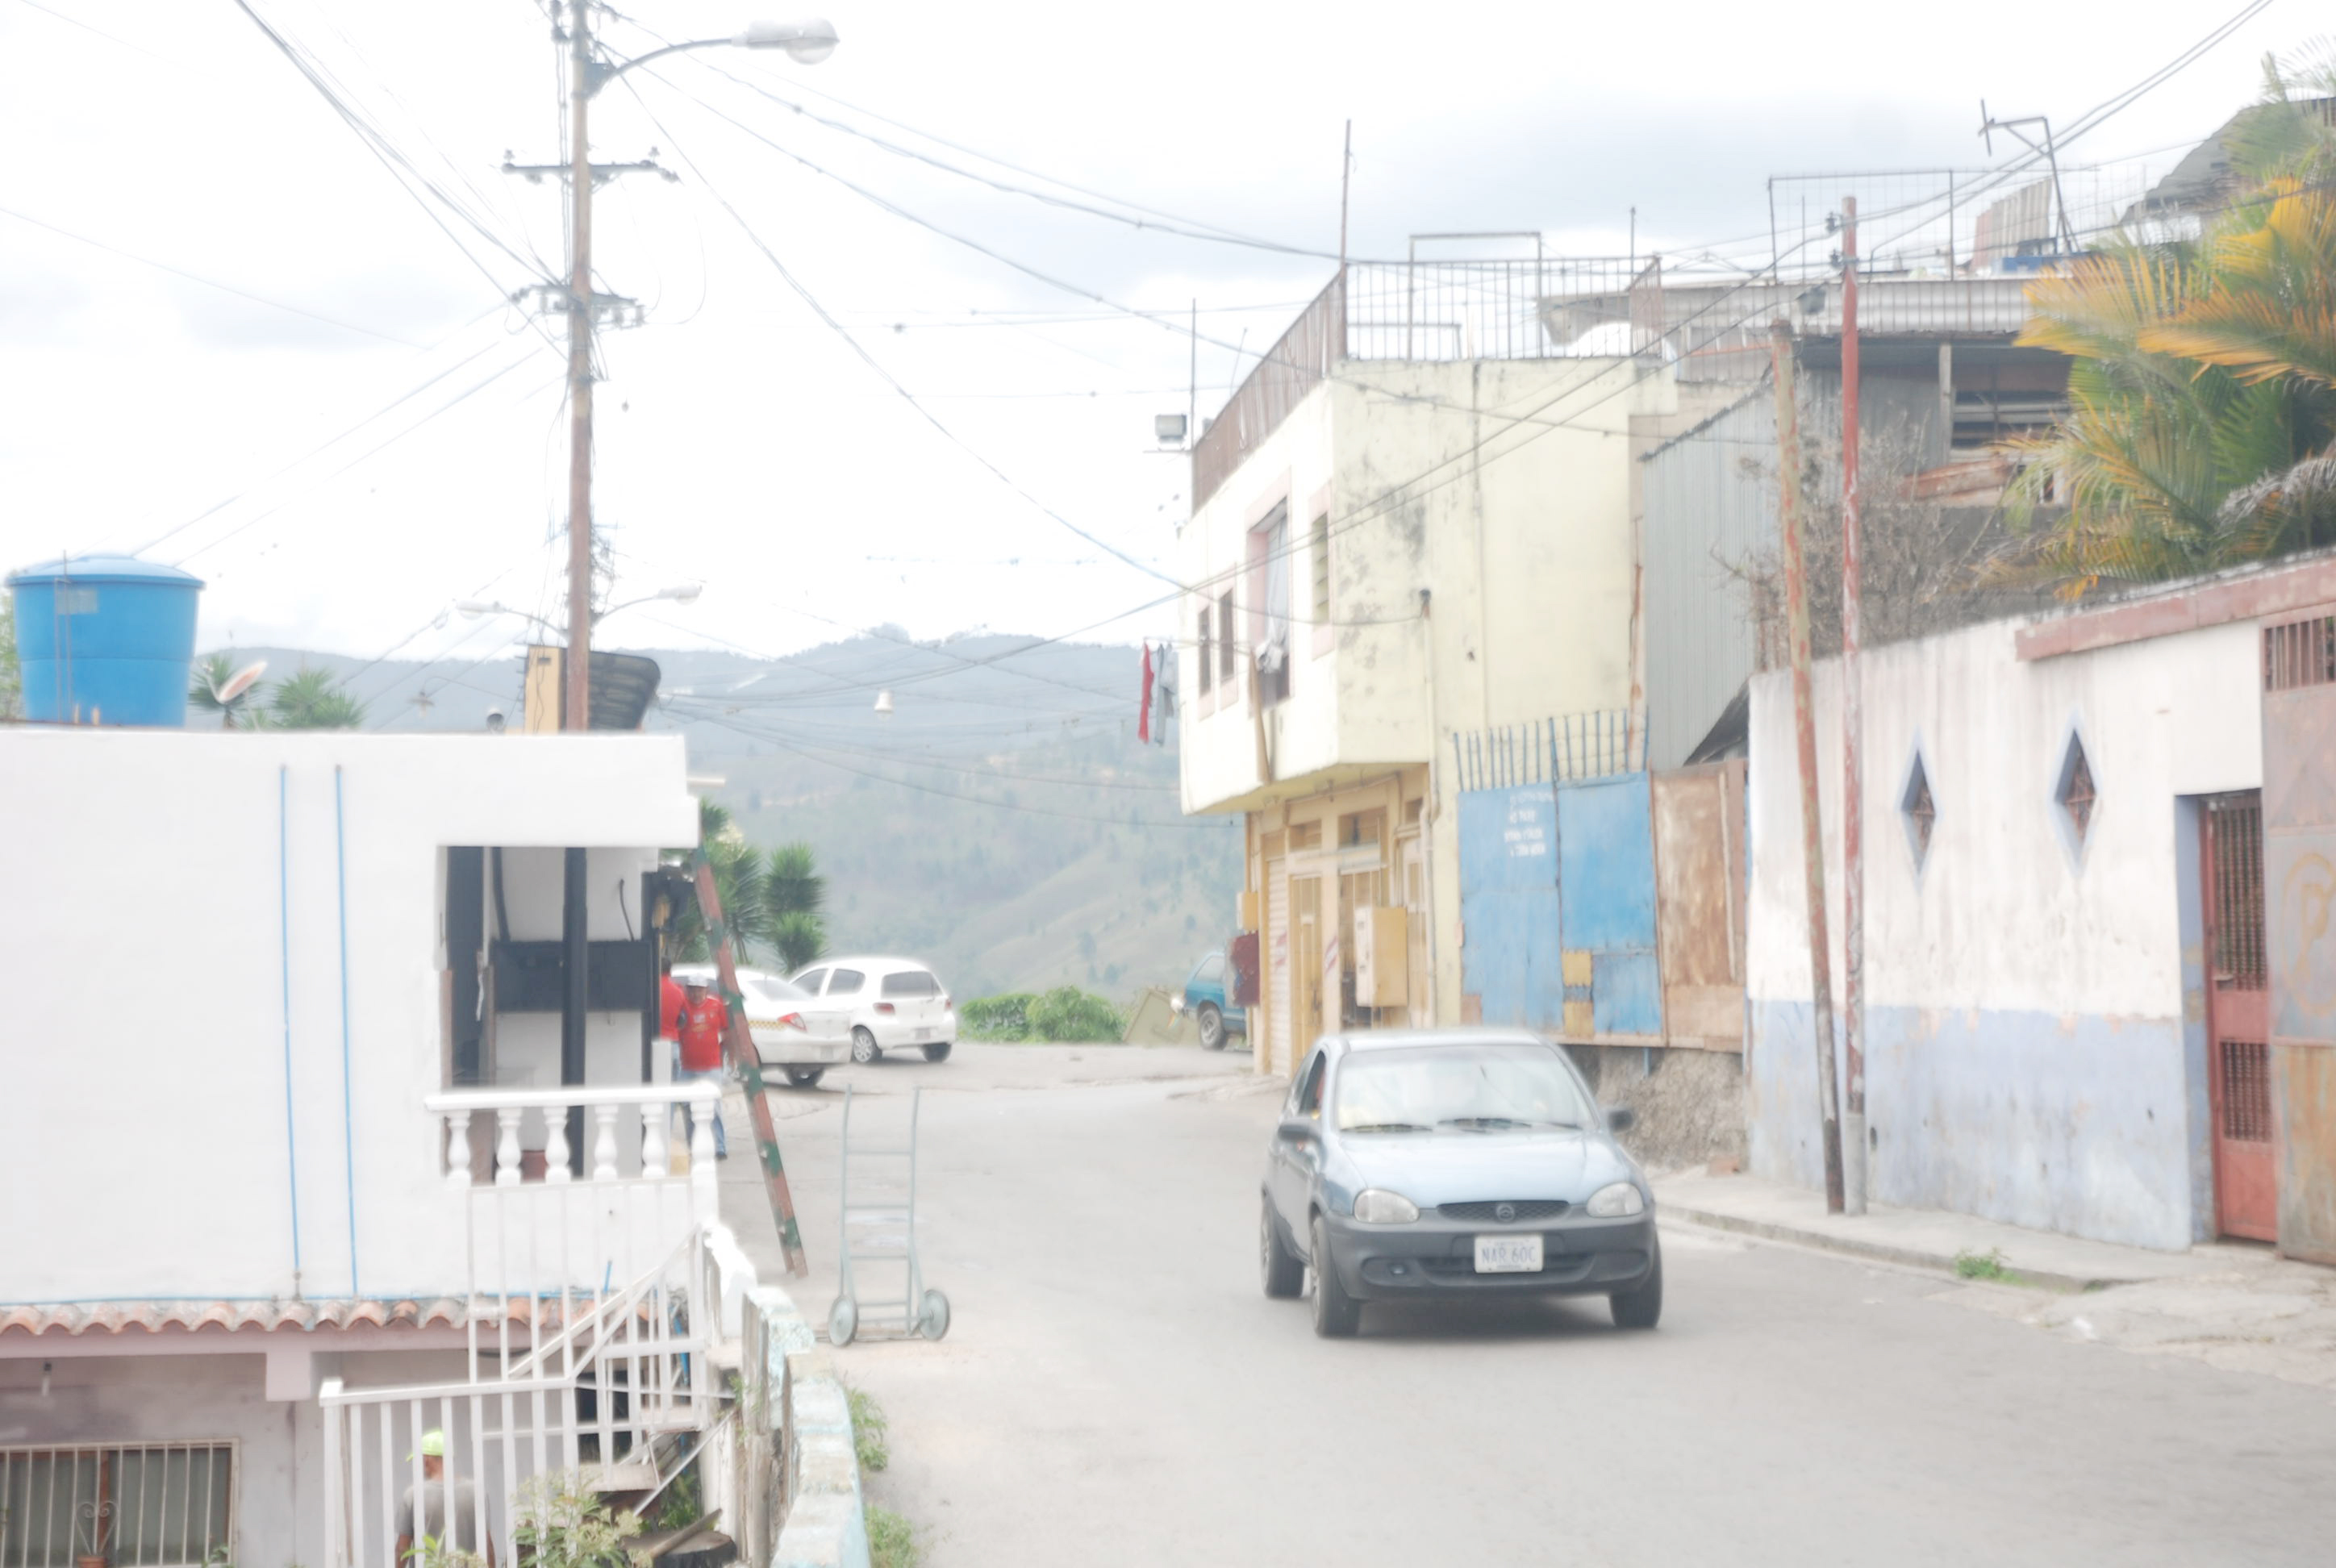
column 2238, row 1055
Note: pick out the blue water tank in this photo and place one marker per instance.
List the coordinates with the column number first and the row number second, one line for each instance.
column 106, row 640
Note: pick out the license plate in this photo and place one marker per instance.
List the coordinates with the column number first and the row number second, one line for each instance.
column 1508, row 1254
column 924, row 1034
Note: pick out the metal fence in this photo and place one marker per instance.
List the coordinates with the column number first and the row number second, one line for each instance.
column 1563, row 749
column 128, row 1505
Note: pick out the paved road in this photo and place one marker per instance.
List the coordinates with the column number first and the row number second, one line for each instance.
column 1115, row 1388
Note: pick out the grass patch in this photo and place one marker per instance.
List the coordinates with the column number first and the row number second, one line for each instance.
column 868, row 1428
column 1987, row 1265
column 891, row 1540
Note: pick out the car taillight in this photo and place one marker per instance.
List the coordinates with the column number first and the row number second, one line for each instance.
column 791, row 1021
column 885, row 1009
column 944, row 998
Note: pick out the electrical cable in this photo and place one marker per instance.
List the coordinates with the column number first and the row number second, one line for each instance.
column 209, row 282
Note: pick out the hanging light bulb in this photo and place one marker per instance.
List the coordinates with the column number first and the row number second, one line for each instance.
column 884, row 703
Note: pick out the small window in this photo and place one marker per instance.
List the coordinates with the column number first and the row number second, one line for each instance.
column 846, row 983
column 1306, row 835
column 1318, row 552
column 2075, row 793
column 1358, row 828
column 1309, row 1095
column 1207, row 657
column 809, row 980
column 1228, row 656
column 1921, row 813
column 911, row 983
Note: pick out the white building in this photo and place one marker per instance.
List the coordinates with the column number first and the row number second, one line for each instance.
column 2068, row 949
column 1414, row 523
column 280, row 1142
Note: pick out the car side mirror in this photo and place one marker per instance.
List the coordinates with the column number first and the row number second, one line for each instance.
column 1621, row 1118
column 1295, row 1133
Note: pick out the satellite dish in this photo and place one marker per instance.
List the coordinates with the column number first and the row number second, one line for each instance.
column 242, row 681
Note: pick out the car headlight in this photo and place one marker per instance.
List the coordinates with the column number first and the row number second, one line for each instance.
column 1617, row 1201
column 1375, row 1206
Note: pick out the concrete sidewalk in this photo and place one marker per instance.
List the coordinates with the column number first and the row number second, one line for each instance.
column 1928, row 1238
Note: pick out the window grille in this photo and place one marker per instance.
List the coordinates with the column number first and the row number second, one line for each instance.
column 2300, row 653
column 1208, row 665
column 2237, row 834
column 132, row 1505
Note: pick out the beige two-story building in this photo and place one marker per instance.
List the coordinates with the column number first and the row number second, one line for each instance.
column 1412, row 540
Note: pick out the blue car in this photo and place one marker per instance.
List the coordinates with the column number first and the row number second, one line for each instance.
column 1207, row 1000
column 1425, row 1164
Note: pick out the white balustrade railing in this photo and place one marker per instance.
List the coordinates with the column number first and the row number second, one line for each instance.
column 619, row 1395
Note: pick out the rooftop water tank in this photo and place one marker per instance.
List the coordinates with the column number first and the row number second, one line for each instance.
column 106, row 640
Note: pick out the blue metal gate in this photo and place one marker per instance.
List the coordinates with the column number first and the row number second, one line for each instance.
column 1557, row 907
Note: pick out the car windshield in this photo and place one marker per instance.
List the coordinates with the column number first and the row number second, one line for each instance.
column 1458, row 1088
column 769, row 988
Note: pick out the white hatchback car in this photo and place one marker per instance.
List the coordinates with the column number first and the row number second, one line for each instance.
column 779, row 1021
column 878, row 1005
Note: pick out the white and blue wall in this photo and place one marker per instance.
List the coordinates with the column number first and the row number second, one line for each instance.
column 2036, row 1047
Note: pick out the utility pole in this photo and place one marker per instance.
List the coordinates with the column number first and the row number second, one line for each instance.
column 1345, row 181
column 578, row 704
column 1796, row 618
column 1852, row 739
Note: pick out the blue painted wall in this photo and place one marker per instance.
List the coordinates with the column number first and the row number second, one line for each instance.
column 1606, row 882
column 1545, row 870
column 1508, row 904
column 2068, row 1122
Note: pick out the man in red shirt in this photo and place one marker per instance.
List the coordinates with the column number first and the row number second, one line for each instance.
column 702, row 1020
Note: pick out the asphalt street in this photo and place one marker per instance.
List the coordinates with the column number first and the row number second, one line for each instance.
column 1115, row 1388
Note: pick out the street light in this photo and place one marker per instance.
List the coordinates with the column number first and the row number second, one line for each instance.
column 807, row 42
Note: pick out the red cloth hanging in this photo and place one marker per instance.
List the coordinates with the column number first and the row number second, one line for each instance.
column 1144, row 710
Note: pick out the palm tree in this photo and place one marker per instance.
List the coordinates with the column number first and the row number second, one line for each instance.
column 794, row 894
column 737, row 881
column 244, row 710
column 2203, row 390
column 313, row 699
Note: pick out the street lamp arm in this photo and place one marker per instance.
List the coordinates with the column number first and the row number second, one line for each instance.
column 808, row 42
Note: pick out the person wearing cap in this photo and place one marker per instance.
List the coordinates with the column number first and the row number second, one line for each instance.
column 462, row 1533
column 703, row 1018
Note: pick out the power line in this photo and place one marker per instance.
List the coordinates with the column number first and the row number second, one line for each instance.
column 209, row 282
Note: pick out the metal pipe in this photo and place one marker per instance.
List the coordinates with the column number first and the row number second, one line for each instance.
column 1797, row 612
column 576, row 995
column 1853, row 740
column 284, row 936
column 348, row 1095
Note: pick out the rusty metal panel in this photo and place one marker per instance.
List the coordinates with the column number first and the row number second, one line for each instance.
column 1700, row 903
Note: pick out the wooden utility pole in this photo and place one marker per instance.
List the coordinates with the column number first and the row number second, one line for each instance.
column 1852, row 741
column 739, row 1042
column 1796, row 618
column 579, row 684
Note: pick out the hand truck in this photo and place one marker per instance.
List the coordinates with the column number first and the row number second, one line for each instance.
column 883, row 1233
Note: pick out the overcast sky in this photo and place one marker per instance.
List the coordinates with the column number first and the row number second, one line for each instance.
column 741, row 441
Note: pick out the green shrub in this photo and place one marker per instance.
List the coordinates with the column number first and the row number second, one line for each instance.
column 891, row 1540
column 1068, row 1014
column 1006, row 1017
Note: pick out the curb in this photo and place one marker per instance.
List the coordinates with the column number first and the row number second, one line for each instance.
column 1881, row 1251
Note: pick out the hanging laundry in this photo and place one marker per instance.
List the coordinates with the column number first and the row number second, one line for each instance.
column 1144, row 707
column 1164, row 693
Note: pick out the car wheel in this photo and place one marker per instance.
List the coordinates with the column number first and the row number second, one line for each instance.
column 804, row 1078
column 1641, row 1308
column 1336, row 1313
column 1213, row 1028
column 1285, row 1274
column 938, row 1050
column 863, row 1047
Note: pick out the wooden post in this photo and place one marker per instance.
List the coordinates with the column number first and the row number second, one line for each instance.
column 1797, row 614
column 740, row 1044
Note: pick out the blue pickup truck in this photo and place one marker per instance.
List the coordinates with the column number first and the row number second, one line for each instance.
column 1207, row 1000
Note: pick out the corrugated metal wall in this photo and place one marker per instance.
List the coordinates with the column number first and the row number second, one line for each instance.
column 1710, row 502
